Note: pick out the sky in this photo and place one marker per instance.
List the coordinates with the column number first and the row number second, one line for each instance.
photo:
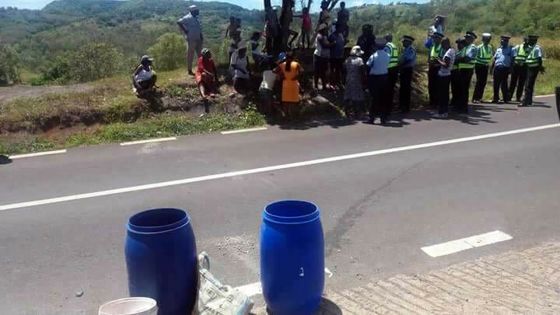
column 249, row 4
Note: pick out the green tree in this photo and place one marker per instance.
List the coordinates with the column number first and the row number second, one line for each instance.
column 169, row 51
column 9, row 65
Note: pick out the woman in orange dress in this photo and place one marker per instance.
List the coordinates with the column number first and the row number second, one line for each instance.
column 290, row 70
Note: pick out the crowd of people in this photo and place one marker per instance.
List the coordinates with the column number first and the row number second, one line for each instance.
column 374, row 65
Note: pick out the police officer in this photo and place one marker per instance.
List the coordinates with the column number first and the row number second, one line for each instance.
column 501, row 68
column 466, row 71
column 435, row 54
column 406, row 67
column 485, row 51
column 456, row 75
column 534, row 64
column 393, row 52
column 519, row 70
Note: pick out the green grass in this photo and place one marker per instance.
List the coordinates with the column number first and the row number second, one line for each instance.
column 165, row 125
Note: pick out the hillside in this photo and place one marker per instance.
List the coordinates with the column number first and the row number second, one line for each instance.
column 42, row 37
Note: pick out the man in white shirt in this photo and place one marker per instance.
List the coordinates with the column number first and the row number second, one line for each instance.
column 378, row 80
column 192, row 30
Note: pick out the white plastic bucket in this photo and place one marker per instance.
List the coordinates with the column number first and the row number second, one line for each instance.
column 129, row 306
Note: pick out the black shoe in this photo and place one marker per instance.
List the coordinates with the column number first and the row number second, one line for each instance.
column 191, row 73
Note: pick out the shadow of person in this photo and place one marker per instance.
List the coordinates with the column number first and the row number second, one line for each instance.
column 5, row 159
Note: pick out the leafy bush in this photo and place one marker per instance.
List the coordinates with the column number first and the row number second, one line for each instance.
column 90, row 62
column 9, row 65
column 169, row 51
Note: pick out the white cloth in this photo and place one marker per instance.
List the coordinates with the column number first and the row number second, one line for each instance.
column 269, row 78
column 241, row 64
column 446, row 71
column 144, row 75
column 378, row 63
column 192, row 25
column 321, row 51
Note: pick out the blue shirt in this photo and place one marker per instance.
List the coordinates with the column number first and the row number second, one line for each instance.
column 408, row 57
column 337, row 51
column 378, row 63
column 472, row 51
column 503, row 57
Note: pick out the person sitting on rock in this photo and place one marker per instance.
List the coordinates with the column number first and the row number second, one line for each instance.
column 206, row 75
column 144, row 78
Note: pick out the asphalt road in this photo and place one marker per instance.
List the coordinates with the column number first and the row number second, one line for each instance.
column 378, row 209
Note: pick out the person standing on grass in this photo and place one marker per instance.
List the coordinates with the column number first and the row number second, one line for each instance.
column 342, row 19
column 239, row 64
column 366, row 41
column 519, row 70
column 393, row 52
column 337, row 57
column 306, row 28
column 436, row 53
column 534, row 63
column 444, row 78
column 485, row 51
column 266, row 89
column 378, row 82
column 501, row 68
column 456, row 74
column 206, row 75
column 321, row 57
column 466, row 71
column 289, row 71
column 407, row 62
column 192, row 30
column 354, row 95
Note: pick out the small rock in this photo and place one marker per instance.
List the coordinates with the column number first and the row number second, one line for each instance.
column 79, row 293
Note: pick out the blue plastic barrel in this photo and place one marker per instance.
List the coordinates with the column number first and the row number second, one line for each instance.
column 292, row 257
column 161, row 259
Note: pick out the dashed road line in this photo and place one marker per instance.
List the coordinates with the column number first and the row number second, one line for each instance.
column 230, row 132
column 267, row 169
column 148, row 141
column 462, row 244
column 23, row 156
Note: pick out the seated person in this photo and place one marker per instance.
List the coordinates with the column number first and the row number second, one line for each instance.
column 144, row 77
column 206, row 75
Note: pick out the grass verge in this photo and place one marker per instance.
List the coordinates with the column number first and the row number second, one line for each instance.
column 165, row 125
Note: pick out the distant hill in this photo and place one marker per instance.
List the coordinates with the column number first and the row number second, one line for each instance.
column 132, row 26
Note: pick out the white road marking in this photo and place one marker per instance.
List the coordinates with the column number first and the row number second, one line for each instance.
column 267, row 169
column 148, row 141
column 23, row 156
column 251, row 289
column 542, row 96
column 459, row 245
column 243, row 130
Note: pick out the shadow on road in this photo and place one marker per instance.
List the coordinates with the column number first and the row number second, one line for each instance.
column 5, row 160
column 327, row 307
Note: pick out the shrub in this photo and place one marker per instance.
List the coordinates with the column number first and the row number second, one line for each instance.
column 169, row 51
column 9, row 65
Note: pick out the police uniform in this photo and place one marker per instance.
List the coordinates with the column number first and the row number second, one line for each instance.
column 435, row 53
column 406, row 67
column 519, row 70
column 534, row 66
column 455, row 75
column 393, row 52
column 466, row 72
column 482, row 64
column 502, row 67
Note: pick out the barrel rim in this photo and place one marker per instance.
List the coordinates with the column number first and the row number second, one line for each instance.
column 138, row 229
column 302, row 219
